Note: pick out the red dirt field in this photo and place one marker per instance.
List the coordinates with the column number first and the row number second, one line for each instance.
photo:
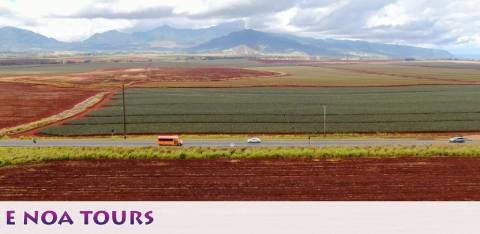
column 373, row 179
column 115, row 76
column 24, row 103
column 204, row 74
column 143, row 75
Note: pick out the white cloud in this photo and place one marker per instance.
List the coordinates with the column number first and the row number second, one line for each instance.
column 78, row 29
column 392, row 15
column 439, row 23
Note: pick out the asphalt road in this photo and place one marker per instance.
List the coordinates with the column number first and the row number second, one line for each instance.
column 217, row 143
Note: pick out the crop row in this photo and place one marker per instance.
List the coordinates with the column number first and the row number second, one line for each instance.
column 264, row 118
column 438, row 126
column 279, row 110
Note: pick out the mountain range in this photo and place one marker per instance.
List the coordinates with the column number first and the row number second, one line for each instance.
column 230, row 38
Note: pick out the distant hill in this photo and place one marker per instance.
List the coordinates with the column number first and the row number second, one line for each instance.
column 110, row 40
column 15, row 39
column 230, row 39
column 270, row 43
column 468, row 56
column 261, row 42
column 164, row 37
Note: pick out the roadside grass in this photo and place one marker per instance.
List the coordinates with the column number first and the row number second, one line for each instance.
column 11, row 156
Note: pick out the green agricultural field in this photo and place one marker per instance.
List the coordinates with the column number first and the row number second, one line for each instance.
column 421, row 72
column 168, row 61
column 286, row 110
column 408, row 73
column 313, row 75
column 340, row 75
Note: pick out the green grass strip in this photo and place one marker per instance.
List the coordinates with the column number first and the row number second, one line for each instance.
column 10, row 156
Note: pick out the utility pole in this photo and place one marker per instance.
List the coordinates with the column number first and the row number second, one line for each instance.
column 124, row 112
column 324, row 121
column 288, row 122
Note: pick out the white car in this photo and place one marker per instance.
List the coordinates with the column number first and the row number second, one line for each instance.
column 457, row 140
column 254, row 140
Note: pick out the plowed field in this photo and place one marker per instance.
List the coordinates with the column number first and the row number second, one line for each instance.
column 24, row 103
column 438, row 178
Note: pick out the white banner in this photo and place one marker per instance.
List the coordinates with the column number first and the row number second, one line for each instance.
column 238, row 217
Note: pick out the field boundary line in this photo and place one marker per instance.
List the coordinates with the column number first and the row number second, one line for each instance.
column 78, row 108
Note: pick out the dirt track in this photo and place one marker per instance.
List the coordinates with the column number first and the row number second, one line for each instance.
column 252, row 179
column 100, row 104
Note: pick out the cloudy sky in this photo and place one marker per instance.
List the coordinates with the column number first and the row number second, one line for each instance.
column 447, row 24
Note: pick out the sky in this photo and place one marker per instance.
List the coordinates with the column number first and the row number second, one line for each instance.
column 445, row 24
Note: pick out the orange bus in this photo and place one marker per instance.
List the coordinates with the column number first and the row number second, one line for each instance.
column 169, row 141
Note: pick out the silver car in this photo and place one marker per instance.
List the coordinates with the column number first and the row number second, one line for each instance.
column 457, row 140
column 254, row 140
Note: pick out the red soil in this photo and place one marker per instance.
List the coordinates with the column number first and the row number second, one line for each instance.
column 439, row 178
column 115, row 76
column 24, row 103
column 204, row 74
